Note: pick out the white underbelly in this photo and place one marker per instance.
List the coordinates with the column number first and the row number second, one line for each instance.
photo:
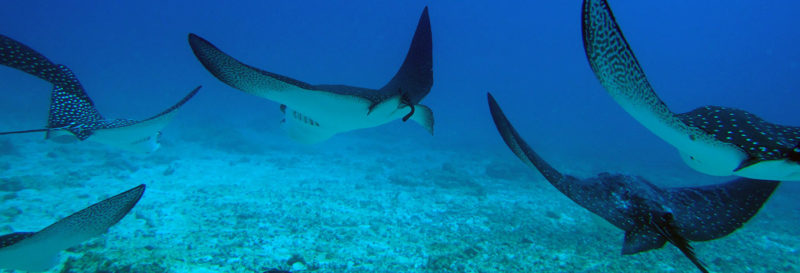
column 136, row 138
column 700, row 150
column 718, row 162
column 781, row 170
column 29, row 257
column 141, row 137
column 131, row 140
column 316, row 125
column 724, row 162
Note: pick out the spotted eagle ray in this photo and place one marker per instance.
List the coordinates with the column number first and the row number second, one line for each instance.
column 73, row 112
column 711, row 139
column 314, row 113
column 650, row 215
column 39, row 251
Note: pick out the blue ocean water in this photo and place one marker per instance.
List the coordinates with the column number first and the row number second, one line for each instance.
column 134, row 60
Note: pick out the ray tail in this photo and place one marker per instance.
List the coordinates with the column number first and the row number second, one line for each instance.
column 25, row 131
column 666, row 230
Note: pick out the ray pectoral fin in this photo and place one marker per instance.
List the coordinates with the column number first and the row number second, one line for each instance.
column 618, row 71
column 714, row 211
column 39, row 251
column 69, row 103
column 95, row 219
column 13, row 238
column 519, row 146
column 611, row 57
column 171, row 110
column 242, row 76
column 19, row 56
column 423, row 115
column 415, row 76
column 138, row 136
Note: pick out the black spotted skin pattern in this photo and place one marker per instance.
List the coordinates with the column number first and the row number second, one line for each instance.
column 650, row 215
column 612, row 59
column 13, row 238
column 613, row 62
column 71, row 108
column 69, row 103
column 760, row 139
column 73, row 229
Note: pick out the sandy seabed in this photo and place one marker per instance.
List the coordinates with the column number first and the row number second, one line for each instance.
column 242, row 202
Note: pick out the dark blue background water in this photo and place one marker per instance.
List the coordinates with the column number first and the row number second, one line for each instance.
column 134, row 60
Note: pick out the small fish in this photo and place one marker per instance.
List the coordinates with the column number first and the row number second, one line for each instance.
column 650, row 215
column 711, row 139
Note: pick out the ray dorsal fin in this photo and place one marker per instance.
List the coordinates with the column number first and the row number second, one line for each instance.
column 38, row 251
column 69, row 103
column 520, row 147
column 415, row 76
